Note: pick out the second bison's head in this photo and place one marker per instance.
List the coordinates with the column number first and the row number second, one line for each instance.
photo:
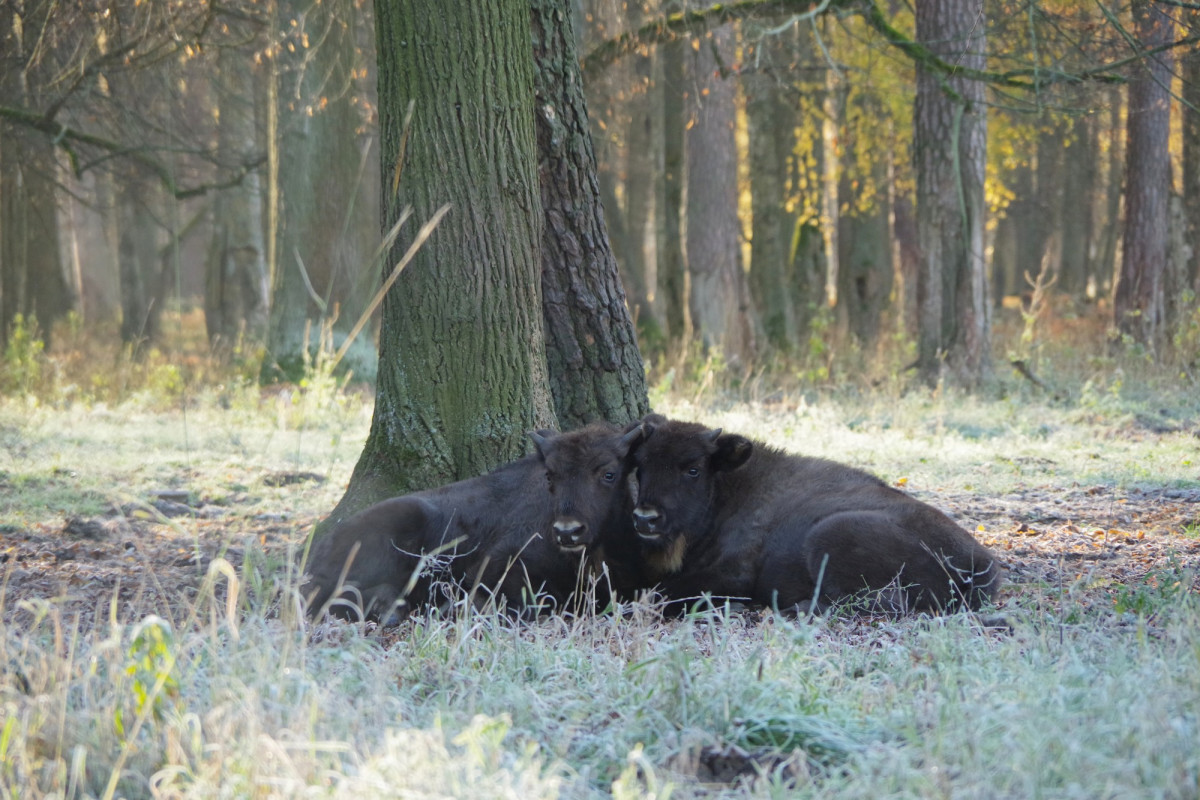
column 587, row 471
column 678, row 465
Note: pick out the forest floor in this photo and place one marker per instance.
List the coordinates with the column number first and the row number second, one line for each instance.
column 65, row 541
column 197, row 513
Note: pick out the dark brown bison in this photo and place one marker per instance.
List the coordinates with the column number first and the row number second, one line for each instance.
column 592, row 505
column 494, row 535
column 721, row 514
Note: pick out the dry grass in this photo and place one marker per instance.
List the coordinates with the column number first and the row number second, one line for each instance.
column 1091, row 689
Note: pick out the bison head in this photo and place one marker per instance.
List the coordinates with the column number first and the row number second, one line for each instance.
column 587, row 471
column 677, row 465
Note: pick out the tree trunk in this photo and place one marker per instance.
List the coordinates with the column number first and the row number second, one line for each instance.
column 949, row 148
column 772, row 120
column 1010, row 254
column 462, row 360
column 591, row 349
column 237, row 283
column 865, row 272
column 1078, row 199
column 32, row 281
column 139, row 268
column 718, row 300
column 326, row 234
column 1191, row 153
column 669, row 205
column 639, row 184
column 1138, row 305
column 1110, row 213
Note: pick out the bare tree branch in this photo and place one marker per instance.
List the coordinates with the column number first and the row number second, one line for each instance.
column 1032, row 78
column 63, row 137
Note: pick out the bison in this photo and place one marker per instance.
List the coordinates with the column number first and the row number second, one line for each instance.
column 592, row 505
column 721, row 514
column 490, row 535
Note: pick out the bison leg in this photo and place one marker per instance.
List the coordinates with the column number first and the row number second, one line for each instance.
column 910, row 562
column 367, row 563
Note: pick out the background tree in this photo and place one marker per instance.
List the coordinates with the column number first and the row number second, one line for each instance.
column 718, row 298
column 1139, row 302
column 1190, row 67
column 32, row 282
column 324, row 218
column 949, row 150
column 237, row 282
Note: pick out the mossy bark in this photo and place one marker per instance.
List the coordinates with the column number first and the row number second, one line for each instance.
column 462, row 371
column 595, row 369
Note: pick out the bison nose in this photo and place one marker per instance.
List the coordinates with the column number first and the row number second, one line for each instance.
column 570, row 534
column 647, row 520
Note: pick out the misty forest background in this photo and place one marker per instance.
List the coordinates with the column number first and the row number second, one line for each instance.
column 781, row 195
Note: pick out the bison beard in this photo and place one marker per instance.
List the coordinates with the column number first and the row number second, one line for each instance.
column 490, row 535
column 720, row 514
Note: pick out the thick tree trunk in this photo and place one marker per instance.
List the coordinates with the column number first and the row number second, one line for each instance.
column 719, row 302
column 591, row 349
column 237, row 283
column 949, row 148
column 462, row 361
column 1138, row 306
column 326, row 232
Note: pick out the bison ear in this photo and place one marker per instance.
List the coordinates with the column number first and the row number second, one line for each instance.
column 732, row 452
column 541, row 440
column 650, row 423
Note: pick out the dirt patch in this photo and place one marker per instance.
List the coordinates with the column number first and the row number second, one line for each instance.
column 1109, row 549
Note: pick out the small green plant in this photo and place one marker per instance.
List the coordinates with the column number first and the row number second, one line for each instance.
column 151, row 660
column 1157, row 591
column 23, row 356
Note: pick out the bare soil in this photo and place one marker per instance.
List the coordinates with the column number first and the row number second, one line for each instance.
column 1099, row 545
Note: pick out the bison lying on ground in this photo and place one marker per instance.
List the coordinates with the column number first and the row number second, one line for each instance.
column 490, row 535
column 722, row 514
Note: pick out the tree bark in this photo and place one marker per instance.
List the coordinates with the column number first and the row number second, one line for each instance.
column 1138, row 306
column 595, row 369
column 719, row 301
column 949, row 148
column 462, row 361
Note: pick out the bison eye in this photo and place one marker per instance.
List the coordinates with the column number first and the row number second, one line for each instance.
column 693, row 472
column 610, row 476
